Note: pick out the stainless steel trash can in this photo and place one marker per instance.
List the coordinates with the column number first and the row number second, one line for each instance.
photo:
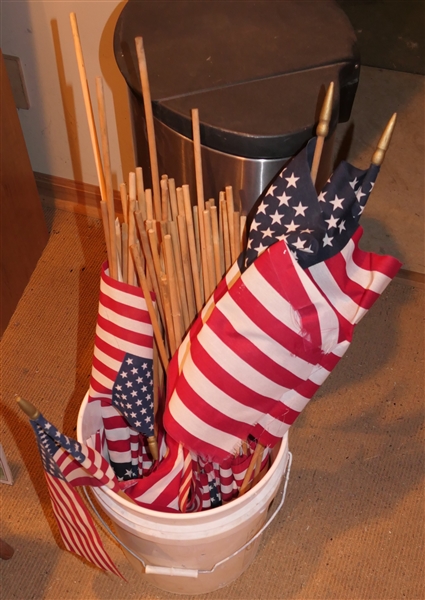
column 257, row 72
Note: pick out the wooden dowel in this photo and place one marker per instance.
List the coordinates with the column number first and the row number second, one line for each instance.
column 147, row 103
column 200, row 198
column 192, row 248
column 131, row 238
column 198, row 251
column 156, row 383
column 118, row 244
column 209, row 249
column 153, row 243
column 242, row 227
column 187, row 271
column 230, row 221
column 180, row 201
column 164, row 229
column 226, row 236
column 174, row 293
column 149, row 262
column 179, row 274
column 105, row 223
column 322, row 130
column 169, row 327
column 155, row 325
column 124, row 238
column 149, row 207
column 164, row 200
column 124, row 201
column 88, row 106
column 221, row 204
column 140, row 186
column 216, row 243
column 107, row 174
column 132, row 186
column 237, row 232
column 173, row 198
column 259, row 449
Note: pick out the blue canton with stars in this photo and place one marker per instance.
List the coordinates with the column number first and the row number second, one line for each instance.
column 132, row 393
column 315, row 227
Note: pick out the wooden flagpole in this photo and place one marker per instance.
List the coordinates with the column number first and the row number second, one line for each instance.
column 147, row 103
column 108, row 176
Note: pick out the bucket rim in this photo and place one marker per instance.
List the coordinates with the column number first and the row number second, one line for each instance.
column 192, row 516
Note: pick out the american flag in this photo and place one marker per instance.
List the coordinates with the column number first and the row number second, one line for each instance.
column 270, row 336
column 123, row 333
column 121, row 389
column 67, row 464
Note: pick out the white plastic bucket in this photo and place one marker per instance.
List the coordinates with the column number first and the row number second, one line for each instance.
column 191, row 553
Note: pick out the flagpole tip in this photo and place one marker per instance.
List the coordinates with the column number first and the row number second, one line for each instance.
column 384, row 142
column 29, row 409
column 322, row 129
column 153, row 447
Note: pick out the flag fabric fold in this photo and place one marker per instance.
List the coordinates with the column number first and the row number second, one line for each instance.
column 275, row 328
column 68, row 464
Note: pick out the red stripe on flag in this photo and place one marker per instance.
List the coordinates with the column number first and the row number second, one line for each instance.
column 76, row 525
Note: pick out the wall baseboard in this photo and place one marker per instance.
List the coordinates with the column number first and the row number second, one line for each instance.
column 72, row 196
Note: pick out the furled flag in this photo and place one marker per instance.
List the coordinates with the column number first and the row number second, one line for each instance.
column 121, row 389
column 269, row 338
column 67, row 464
column 120, row 386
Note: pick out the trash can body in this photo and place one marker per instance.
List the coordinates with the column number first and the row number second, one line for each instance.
column 256, row 71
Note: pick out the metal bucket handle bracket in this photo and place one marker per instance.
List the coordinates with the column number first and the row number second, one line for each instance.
column 193, row 573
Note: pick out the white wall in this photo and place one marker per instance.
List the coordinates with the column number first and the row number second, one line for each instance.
column 55, row 127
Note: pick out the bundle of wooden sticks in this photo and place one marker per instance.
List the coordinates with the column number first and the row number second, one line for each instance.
column 173, row 241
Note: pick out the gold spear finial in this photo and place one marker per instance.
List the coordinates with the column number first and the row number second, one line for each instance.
column 384, row 142
column 326, row 112
column 322, row 130
column 29, row 409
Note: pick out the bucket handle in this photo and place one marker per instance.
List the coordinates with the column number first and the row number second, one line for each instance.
column 181, row 571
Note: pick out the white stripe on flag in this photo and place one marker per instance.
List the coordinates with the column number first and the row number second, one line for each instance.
column 136, row 326
column 349, row 309
column 369, row 280
column 294, row 400
column 107, row 360
column 217, row 398
column 329, row 325
column 268, row 346
column 233, row 364
column 102, row 380
column 123, row 345
column 199, row 428
column 271, row 300
column 135, row 301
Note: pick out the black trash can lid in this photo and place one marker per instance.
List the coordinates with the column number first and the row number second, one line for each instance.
column 256, row 70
